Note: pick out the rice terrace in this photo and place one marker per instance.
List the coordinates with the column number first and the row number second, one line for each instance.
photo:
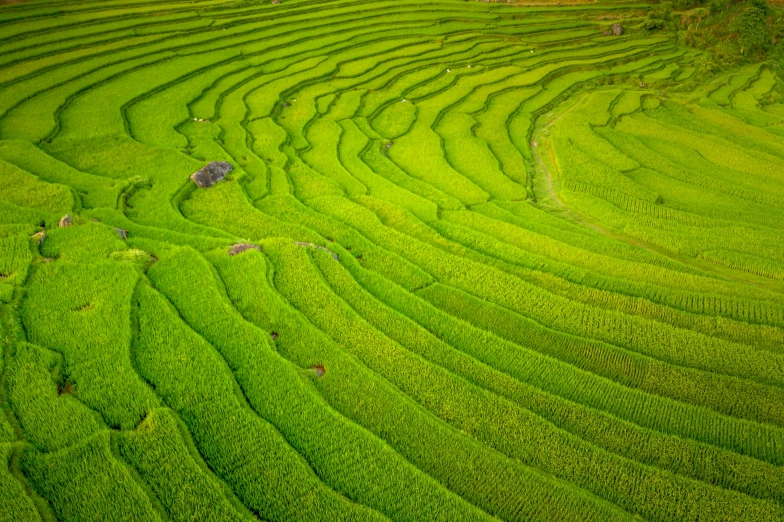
column 406, row 260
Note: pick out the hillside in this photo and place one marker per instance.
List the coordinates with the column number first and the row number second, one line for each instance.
column 391, row 260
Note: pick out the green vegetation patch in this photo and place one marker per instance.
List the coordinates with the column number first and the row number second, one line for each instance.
column 473, row 260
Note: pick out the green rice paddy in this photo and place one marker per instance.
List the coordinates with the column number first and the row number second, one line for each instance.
column 474, row 261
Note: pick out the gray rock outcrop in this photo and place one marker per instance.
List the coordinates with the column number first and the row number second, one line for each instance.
column 211, row 173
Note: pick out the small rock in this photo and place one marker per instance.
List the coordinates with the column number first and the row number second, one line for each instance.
column 319, row 370
column 242, row 247
column 274, row 335
column 211, row 173
column 643, row 85
column 276, row 2
column 617, row 29
column 40, row 236
column 286, row 104
column 122, row 233
column 66, row 221
column 389, row 144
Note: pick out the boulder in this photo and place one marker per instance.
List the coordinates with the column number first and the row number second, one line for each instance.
column 211, row 173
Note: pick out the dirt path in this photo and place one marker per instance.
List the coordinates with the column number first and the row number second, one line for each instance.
column 539, row 138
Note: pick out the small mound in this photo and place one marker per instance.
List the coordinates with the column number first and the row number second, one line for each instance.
column 319, row 247
column 243, row 247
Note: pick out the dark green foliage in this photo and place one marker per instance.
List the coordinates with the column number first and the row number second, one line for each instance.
column 750, row 24
column 730, row 31
column 658, row 18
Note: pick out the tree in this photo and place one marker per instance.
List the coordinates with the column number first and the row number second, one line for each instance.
column 699, row 14
column 750, row 24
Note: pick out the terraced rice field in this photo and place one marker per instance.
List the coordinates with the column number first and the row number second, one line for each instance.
column 474, row 261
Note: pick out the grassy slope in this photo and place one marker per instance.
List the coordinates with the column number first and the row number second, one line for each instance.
column 505, row 266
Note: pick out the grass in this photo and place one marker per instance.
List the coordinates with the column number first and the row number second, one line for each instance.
column 497, row 265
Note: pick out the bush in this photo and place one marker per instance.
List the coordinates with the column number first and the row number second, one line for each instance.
column 752, row 28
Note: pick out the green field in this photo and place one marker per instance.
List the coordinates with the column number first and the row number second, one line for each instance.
column 498, row 262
